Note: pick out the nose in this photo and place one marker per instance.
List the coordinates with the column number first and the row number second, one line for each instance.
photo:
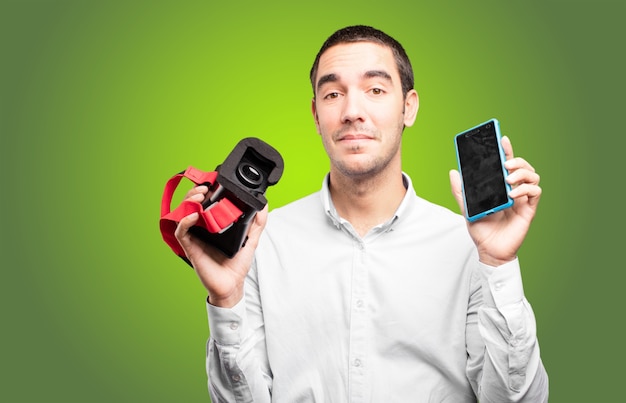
column 353, row 108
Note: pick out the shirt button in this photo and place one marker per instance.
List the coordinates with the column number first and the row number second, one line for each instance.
column 498, row 286
column 359, row 303
column 357, row 363
column 234, row 326
column 236, row 378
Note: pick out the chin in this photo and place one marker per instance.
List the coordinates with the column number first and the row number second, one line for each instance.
column 356, row 171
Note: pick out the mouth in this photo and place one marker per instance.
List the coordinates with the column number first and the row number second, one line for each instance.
column 354, row 137
column 356, row 143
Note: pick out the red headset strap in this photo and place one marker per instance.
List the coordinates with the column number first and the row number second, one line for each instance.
column 216, row 218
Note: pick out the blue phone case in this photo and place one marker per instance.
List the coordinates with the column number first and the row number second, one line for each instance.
column 508, row 202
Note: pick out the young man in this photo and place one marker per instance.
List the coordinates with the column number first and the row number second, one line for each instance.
column 364, row 292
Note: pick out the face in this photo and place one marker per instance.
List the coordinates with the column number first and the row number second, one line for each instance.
column 359, row 109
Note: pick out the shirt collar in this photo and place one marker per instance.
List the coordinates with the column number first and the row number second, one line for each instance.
column 403, row 208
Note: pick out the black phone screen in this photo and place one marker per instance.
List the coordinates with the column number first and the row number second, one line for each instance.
column 481, row 169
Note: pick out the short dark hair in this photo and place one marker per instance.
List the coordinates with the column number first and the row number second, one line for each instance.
column 363, row 33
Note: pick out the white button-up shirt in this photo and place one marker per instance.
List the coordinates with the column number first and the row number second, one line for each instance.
column 404, row 314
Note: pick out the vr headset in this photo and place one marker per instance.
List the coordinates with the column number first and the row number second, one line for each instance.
column 236, row 193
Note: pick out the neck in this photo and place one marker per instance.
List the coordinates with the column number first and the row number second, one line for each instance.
column 367, row 202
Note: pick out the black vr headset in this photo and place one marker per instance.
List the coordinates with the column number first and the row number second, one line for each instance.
column 236, row 193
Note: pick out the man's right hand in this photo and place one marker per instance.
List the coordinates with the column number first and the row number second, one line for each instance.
column 223, row 277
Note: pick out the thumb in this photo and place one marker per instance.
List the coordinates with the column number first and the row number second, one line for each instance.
column 455, row 185
column 257, row 227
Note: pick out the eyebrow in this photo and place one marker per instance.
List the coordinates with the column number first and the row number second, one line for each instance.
column 331, row 78
column 328, row 78
column 378, row 73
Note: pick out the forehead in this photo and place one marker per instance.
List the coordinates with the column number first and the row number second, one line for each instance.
column 356, row 58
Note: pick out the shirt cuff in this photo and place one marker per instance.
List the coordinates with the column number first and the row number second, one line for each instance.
column 502, row 285
column 226, row 324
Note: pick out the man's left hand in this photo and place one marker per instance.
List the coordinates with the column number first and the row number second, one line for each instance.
column 499, row 236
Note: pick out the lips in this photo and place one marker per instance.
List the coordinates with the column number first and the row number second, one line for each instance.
column 348, row 137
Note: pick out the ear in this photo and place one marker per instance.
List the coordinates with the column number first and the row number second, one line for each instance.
column 411, row 106
column 315, row 118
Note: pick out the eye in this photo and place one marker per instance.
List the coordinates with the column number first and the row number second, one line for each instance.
column 377, row 91
column 331, row 95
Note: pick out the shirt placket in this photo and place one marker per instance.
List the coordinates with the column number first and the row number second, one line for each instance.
column 358, row 362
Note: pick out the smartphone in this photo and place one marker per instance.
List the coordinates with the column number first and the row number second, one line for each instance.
column 481, row 163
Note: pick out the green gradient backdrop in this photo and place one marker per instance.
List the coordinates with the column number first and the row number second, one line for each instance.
column 100, row 102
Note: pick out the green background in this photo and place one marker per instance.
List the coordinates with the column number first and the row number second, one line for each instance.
column 101, row 102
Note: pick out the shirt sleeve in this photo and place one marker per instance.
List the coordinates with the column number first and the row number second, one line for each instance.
column 237, row 370
column 503, row 352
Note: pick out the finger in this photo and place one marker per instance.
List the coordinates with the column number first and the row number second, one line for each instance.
column 507, row 147
column 521, row 176
column 182, row 230
column 261, row 217
column 257, row 227
column 197, row 193
column 532, row 192
column 518, row 163
column 456, row 187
